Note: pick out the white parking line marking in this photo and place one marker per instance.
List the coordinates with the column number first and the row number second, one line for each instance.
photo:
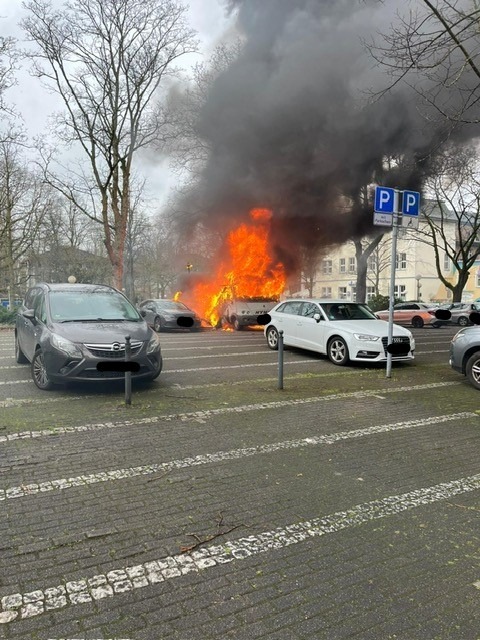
column 220, row 456
column 207, row 413
column 128, row 578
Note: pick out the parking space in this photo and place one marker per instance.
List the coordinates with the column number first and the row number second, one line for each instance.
column 218, row 506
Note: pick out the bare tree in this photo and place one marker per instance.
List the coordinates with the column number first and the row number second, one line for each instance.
column 453, row 217
column 433, row 47
column 24, row 200
column 106, row 59
column 8, row 57
column 380, row 261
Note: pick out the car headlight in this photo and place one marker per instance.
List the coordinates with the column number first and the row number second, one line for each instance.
column 458, row 336
column 68, row 347
column 364, row 336
column 153, row 345
column 168, row 316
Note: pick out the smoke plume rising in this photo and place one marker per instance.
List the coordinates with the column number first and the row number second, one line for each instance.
column 291, row 124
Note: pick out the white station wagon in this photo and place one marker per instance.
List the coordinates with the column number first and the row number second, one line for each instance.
column 344, row 331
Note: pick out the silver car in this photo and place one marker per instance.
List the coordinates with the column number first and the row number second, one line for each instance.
column 465, row 351
column 77, row 332
column 459, row 313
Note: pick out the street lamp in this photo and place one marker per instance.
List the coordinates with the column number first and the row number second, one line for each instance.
column 419, row 286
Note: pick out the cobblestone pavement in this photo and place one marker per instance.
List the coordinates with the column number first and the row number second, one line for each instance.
column 219, row 506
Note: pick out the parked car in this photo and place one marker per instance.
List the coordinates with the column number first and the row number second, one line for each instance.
column 465, row 351
column 416, row 314
column 459, row 313
column 164, row 314
column 76, row 332
column 344, row 331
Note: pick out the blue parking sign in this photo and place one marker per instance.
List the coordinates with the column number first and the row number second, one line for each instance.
column 384, row 200
column 411, row 203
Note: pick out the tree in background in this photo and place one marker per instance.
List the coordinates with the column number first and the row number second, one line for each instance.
column 434, row 49
column 455, row 190
column 107, row 59
column 24, row 201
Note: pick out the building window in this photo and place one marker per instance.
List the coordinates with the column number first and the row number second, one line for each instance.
column 401, row 261
column 446, row 262
column 351, row 265
column 400, row 292
column 326, row 292
column 342, row 293
column 372, row 263
column 327, row 266
column 370, row 293
column 478, row 278
column 343, row 265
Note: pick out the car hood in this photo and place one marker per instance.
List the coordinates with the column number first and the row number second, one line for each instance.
column 372, row 327
column 94, row 332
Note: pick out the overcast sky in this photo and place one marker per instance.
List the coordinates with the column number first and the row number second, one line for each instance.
column 208, row 17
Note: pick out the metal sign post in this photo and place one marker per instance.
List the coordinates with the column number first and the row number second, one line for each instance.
column 386, row 213
column 280, row 359
column 391, row 300
column 128, row 372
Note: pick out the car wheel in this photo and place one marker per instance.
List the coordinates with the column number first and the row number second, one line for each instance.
column 158, row 371
column 463, row 321
column 417, row 322
column 272, row 338
column 157, row 324
column 472, row 369
column 236, row 325
column 436, row 325
column 39, row 372
column 19, row 355
column 337, row 351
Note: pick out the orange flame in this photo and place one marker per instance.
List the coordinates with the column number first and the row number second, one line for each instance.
column 249, row 270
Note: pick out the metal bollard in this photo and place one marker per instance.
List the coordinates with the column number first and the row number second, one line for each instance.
column 128, row 373
column 280, row 359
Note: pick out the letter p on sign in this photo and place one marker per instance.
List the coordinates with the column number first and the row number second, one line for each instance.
column 411, row 203
column 384, row 199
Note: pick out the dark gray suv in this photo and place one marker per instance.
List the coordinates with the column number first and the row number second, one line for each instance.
column 77, row 332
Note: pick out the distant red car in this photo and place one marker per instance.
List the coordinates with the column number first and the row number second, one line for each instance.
column 416, row 314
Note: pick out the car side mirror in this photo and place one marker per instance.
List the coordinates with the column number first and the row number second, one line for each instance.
column 143, row 313
column 317, row 317
column 29, row 314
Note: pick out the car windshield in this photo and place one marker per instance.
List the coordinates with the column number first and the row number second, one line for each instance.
column 347, row 311
column 71, row 306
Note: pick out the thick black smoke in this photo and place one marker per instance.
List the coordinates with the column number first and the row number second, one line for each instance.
column 292, row 125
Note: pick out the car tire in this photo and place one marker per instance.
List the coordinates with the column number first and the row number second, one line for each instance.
column 19, row 355
column 463, row 321
column 272, row 338
column 337, row 351
column 472, row 370
column 236, row 325
column 157, row 324
column 417, row 322
column 39, row 372
column 436, row 325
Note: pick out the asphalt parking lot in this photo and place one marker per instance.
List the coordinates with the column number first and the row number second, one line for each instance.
column 345, row 505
